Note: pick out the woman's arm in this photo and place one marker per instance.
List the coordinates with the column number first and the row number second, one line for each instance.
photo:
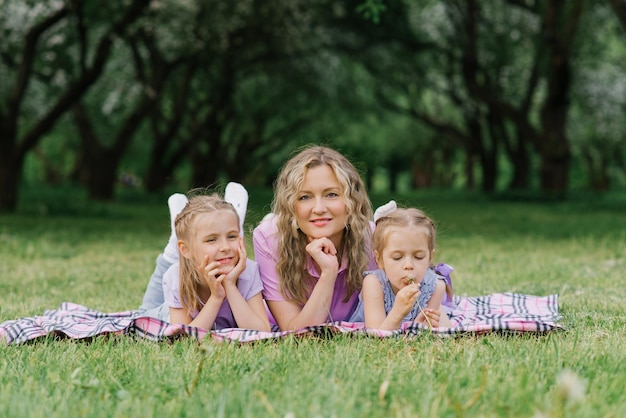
column 316, row 310
column 290, row 316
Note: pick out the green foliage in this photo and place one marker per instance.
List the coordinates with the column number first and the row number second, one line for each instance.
column 61, row 247
column 372, row 9
column 265, row 77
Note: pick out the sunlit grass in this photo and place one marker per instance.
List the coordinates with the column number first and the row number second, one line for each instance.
column 59, row 247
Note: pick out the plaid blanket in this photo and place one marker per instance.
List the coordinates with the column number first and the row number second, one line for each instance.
column 512, row 312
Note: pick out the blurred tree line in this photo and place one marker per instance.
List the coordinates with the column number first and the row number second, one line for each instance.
column 501, row 95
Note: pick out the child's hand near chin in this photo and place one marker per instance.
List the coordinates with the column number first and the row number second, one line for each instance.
column 213, row 278
column 405, row 298
column 233, row 275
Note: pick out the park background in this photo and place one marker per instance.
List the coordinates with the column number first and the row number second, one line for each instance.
column 503, row 120
column 511, row 96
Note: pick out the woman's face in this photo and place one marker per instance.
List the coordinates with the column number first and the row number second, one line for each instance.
column 320, row 206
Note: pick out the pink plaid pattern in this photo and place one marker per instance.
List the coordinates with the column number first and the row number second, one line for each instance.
column 511, row 312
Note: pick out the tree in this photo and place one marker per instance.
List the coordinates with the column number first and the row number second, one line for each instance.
column 232, row 43
column 597, row 125
column 104, row 148
column 558, row 23
column 619, row 8
column 25, row 59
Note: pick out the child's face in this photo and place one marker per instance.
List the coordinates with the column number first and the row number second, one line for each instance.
column 215, row 234
column 406, row 254
column 320, row 208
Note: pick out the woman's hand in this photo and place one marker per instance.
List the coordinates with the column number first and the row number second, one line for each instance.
column 324, row 253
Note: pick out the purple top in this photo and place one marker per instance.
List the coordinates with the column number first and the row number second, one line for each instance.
column 265, row 240
column 249, row 284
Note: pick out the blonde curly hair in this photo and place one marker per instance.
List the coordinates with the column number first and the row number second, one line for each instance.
column 295, row 281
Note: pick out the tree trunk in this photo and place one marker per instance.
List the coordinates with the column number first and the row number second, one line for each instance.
column 597, row 169
column 99, row 163
column 166, row 131
column 10, row 176
column 521, row 172
column 469, row 170
column 487, row 153
column 206, row 153
column 395, row 168
column 163, row 163
column 421, row 176
column 205, row 168
column 9, row 163
column 558, row 29
column 554, row 149
column 156, row 175
column 156, row 178
column 490, row 172
column 555, row 163
column 102, row 177
column 517, row 151
column 9, row 139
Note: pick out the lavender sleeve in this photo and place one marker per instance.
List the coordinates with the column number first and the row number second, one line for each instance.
column 265, row 243
column 171, row 287
column 249, row 283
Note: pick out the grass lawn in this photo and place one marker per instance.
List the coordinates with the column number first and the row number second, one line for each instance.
column 59, row 247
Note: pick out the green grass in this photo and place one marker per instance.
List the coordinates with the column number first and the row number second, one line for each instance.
column 60, row 247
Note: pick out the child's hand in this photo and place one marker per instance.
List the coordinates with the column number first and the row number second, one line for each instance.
column 432, row 315
column 324, row 253
column 405, row 299
column 213, row 278
column 233, row 275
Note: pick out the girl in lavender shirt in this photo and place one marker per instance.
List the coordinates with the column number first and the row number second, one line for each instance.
column 213, row 286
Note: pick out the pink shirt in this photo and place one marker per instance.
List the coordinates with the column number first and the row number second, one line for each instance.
column 265, row 240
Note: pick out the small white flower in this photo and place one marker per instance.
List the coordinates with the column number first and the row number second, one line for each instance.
column 382, row 390
column 570, row 388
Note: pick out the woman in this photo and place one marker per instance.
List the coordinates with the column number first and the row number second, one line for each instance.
column 316, row 244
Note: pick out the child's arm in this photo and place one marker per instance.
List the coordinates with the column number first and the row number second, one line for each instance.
column 208, row 314
column 205, row 319
column 249, row 314
column 374, row 304
column 434, row 304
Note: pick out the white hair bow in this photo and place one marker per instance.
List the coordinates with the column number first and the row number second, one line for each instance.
column 385, row 210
